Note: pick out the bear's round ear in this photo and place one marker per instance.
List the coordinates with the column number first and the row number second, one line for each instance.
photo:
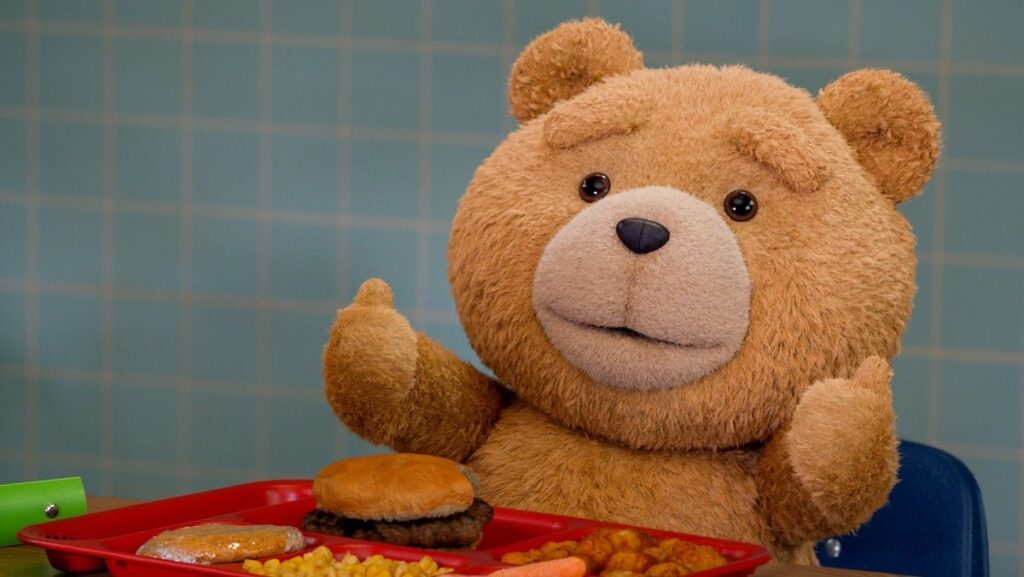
column 890, row 124
column 565, row 61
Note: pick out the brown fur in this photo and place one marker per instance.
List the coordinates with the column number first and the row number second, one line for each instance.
column 790, row 440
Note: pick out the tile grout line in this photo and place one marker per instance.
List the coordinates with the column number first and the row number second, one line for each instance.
column 764, row 34
column 1020, row 463
column 423, row 239
column 508, row 56
column 185, row 227
column 109, row 250
column 853, row 41
column 266, row 54
column 344, row 179
column 938, row 233
column 678, row 41
column 32, row 243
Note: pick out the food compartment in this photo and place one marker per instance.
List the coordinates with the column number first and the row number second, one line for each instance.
column 739, row 558
column 509, row 527
column 287, row 513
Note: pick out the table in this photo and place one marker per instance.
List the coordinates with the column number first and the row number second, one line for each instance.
column 26, row 561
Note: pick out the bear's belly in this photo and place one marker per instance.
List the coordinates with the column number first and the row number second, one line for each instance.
column 530, row 463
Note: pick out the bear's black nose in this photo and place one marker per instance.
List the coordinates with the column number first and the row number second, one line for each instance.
column 641, row 235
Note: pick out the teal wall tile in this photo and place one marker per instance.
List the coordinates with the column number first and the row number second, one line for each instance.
column 69, row 332
column 384, row 179
column 304, row 261
column 393, row 19
column 225, row 256
column 649, row 22
column 910, row 397
column 440, row 293
column 297, row 339
column 13, row 156
column 146, row 337
column 301, row 423
column 477, row 21
column 535, row 17
column 227, row 80
column 903, row 30
column 85, row 11
column 225, row 169
column 393, row 259
column 70, row 245
column 1000, row 491
column 216, row 478
column 468, row 94
column 978, row 303
column 11, row 468
column 987, row 120
column 14, row 425
column 149, row 163
column 823, row 28
column 13, row 318
column 981, row 220
column 919, row 328
column 148, row 252
column 305, row 173
column 224, row 428
column 727, row 27
column 14, row 9
column 13, row 241
column 148, row 76
column 71, row 159
column 145, row 486
column 148, row 12
column 225, row 344
column 305, row 84
column 972, row 389
column 1004, row 564
column 145, row 423
column 69, row 417
column 243, row 15
column 386, row 95
column 920, row 212
column 451, row 170
column 12, row 68
column 312, row 17
column 988, row 31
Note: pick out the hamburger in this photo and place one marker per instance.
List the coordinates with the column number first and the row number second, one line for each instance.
column 402, row 499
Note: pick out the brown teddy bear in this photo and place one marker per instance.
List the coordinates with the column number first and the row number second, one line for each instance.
column 687, row 282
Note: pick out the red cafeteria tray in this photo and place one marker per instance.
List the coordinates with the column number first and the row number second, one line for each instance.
column 108, row 539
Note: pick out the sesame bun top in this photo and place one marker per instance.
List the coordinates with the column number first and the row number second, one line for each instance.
column 394, row 487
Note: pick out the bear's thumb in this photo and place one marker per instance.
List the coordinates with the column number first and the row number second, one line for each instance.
column 374, row 293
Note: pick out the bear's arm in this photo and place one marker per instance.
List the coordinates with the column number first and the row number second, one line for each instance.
column 394, row 386
column 834, row 464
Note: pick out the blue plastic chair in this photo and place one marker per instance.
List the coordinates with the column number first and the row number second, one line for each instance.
column 932, row 526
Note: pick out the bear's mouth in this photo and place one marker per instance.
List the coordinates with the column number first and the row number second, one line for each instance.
column 633, row 335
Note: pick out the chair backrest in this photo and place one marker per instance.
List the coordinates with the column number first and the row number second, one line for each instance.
column 932, row 526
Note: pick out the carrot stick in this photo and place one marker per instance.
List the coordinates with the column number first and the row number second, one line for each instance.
column 565, row 567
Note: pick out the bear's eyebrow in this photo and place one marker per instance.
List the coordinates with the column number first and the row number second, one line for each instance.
column 592, row 116
column 779, row 145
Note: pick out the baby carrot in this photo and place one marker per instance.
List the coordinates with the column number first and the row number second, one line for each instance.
column 565, row 567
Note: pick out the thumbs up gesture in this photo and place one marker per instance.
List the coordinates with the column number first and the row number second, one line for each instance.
column 369, row 362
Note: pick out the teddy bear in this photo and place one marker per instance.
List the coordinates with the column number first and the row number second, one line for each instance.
column 688, row 283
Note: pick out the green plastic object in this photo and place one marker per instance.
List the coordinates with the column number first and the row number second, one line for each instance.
column 24, row 504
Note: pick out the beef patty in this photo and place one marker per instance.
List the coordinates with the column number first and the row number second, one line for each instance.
column 458, row 531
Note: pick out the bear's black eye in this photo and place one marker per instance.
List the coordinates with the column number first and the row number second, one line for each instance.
column 594, row 186
column 740, row 205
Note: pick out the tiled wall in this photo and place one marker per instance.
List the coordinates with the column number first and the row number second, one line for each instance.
column 189, row 189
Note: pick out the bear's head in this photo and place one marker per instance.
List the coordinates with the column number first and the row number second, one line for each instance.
column 666, row 258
